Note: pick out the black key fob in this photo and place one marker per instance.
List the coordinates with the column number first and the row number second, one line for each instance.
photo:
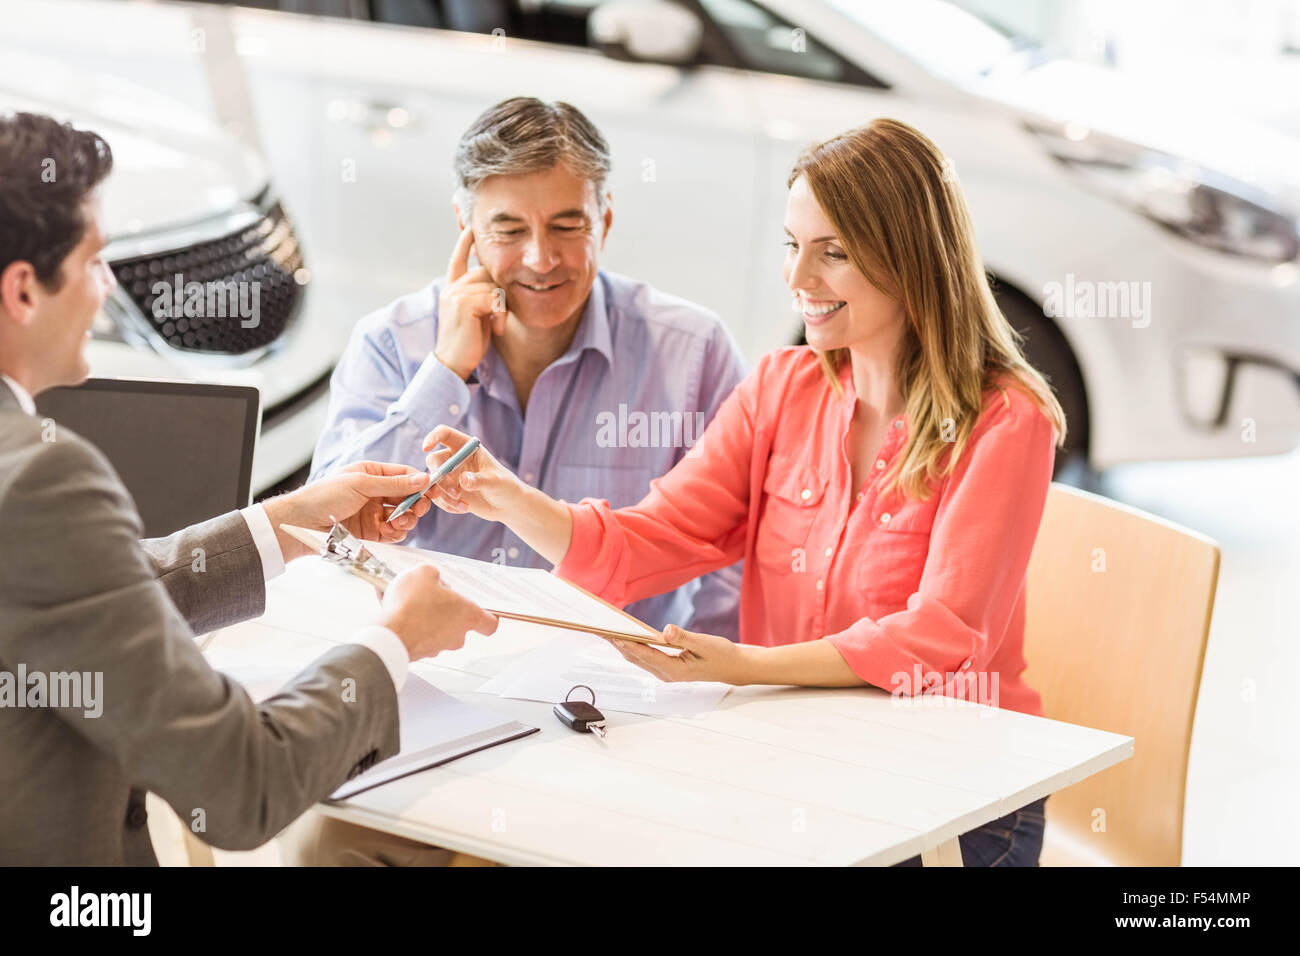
column 579, row 715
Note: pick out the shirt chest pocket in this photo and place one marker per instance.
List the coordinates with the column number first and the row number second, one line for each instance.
column 792, row 496
column 899, row 546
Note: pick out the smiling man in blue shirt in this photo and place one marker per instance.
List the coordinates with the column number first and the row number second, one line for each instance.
column 583, row 382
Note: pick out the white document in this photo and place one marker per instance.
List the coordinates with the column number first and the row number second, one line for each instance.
column 500, row 587
column 436, row 728
column 548, row 673
column 506, row 590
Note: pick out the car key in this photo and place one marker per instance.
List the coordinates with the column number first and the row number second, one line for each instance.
column 581, row 716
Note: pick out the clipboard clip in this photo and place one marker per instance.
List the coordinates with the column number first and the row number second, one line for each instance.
column 346, row 550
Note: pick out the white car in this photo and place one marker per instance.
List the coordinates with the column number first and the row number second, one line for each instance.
column 1149, row 252
column 184, row 198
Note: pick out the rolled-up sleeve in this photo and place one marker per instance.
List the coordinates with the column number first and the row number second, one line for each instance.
column 984, row 531
column 436, row 396
column 717, row 602
column 375, row 412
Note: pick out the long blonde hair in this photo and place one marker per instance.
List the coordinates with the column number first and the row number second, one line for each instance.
column 899, row 213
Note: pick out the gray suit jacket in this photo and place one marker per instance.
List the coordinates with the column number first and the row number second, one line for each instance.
column 79, row 592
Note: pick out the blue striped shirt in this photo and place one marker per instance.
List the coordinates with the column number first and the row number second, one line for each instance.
column 645, row 372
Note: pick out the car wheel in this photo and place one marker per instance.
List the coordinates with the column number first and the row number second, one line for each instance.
column 1048, row 351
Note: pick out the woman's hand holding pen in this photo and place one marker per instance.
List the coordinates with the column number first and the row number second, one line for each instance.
column 481, row 486
column 485, row 488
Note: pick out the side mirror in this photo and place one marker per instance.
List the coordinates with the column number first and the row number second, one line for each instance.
column 646, row 31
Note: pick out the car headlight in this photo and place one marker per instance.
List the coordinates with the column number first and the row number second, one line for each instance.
column 1209, row 208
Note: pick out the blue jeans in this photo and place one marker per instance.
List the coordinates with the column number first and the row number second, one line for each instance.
column 1013, row 840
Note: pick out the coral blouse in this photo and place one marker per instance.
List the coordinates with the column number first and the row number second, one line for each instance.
column 918, row 596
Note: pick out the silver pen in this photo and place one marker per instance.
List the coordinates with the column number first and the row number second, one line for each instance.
column 447, row 468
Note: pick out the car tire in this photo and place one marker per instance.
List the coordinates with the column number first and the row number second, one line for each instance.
column 1047, row 350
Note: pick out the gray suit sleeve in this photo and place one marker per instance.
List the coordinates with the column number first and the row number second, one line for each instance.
column 212, row 572
column 85, row 597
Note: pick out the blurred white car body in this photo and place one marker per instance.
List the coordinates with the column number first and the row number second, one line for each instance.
column 186, row 198
column 1178, row 228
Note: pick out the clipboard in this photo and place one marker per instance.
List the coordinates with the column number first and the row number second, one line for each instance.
column 343, row 549
column 436, row 728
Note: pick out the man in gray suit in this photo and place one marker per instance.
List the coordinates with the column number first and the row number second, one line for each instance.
column 103, row 694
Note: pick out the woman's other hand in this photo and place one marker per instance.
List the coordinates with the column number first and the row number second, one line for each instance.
column 702, row 657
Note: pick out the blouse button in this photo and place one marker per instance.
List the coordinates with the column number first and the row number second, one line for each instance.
column 530, row 477
column 880, row 463
column 829, row 552
column 821, row 585
column 512, row 553
column 966, row 666
column 861, row 495
column 455, row 409
column 884, row 518
column 898, row 423
column 805, row 494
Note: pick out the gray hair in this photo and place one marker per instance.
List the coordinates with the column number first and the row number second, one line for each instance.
column 525, row 135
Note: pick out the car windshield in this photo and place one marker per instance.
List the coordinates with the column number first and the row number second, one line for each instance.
column 944, row 38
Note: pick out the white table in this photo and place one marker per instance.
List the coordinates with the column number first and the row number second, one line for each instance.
column 776, row 775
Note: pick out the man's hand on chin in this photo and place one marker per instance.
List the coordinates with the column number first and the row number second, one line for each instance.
column 359, row 495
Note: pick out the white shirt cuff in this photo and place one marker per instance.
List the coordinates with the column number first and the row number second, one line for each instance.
column 390, row 649
column 268, row 547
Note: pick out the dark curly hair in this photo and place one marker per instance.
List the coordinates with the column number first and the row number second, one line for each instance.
column 47, row 169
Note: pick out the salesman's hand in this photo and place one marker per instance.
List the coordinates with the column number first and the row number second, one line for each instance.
column 357, row 495
column 703, row 657
column 480, row 486
column 428, row 616
column 471, row 308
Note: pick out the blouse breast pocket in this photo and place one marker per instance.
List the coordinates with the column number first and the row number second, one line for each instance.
column 792, row 495
column 891, row 573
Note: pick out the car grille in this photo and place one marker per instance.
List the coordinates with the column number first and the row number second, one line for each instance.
column 249, row 287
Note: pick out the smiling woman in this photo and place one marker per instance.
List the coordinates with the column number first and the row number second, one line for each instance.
column 920, row 292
